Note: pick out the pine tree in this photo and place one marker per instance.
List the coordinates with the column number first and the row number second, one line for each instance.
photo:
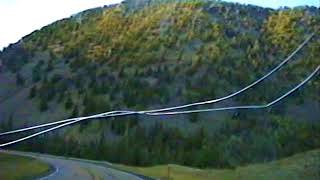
column 19, row 79
column 69, row 103
column 75, row 111
column 33, row 92
column 43, row 105
column 10, row 123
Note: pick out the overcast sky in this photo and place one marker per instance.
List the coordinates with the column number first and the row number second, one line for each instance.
column 279, row 3
column 21, row 17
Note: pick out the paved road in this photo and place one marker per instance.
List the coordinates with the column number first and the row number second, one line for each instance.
column 66, row 169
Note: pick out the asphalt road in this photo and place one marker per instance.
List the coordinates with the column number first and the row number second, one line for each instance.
column 66, row 168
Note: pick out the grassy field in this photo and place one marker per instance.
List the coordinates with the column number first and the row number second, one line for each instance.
column 300, row 166
column 14, row 167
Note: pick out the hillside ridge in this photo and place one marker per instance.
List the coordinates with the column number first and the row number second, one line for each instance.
column 140, row 55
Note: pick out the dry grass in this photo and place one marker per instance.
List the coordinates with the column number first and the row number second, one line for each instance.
column 301, row 166
column 14, row 167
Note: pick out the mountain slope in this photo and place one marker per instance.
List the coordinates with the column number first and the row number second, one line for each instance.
column 144, row 54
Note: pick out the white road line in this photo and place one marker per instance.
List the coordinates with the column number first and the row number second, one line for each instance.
column 52, row 174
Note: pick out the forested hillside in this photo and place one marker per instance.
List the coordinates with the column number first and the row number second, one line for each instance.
column 143, row 54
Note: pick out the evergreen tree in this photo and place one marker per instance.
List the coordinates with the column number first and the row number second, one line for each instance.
column 75, row 111
column 19, row 79
column 43, row 106
column 9, row 125
column 69, row 103
column 33, row 92
column 49, row 66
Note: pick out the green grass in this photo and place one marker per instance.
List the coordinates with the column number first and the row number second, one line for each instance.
column 301, row 166
column 13, row 167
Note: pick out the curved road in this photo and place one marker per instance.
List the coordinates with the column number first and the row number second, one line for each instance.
column 69, row 168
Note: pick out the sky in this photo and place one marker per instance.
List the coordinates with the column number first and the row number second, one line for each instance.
column 21, row 17
column 279, row 3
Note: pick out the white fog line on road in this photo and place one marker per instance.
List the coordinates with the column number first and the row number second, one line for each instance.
column 103, row 166
column 56, row 171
